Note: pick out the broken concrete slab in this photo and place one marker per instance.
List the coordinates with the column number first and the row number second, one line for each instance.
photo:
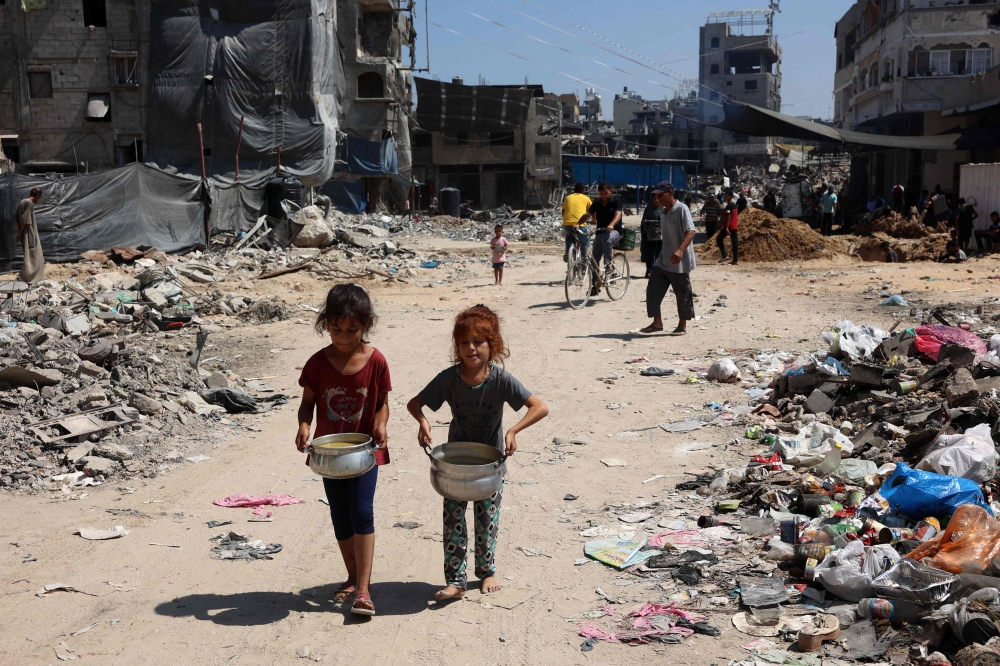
column 216, row 380
column 868, row 374
column 959, row 356
column 16, row 375
column 91, row 369
column 94, row 465
column 79, row 452
column 961, row 389
column 146, row 405
column 113, row 451
column 819, row 403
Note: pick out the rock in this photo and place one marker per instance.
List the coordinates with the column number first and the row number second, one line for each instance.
column 819, row 403
column 93, row 400
column 216, row 380
column 96, row 353
column 90, row 369
column 357, row 240
column 959, row 356
column 79, row 451
column 371, row 230
column 94, row 465
column 113, row 452
column 961, row 389
column 50, row 392
column 145, row 404
column 388, row 247
column 316, row 232
column 32, row 377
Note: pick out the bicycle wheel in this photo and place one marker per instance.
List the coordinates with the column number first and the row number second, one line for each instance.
column 578, row 280
column 619, row 275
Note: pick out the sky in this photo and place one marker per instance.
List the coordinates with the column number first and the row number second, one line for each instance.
column 664, row 32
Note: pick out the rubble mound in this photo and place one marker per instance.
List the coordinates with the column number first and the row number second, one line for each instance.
column 930, row 248
column 897, row 226
column 265, row 311
column 764, row 237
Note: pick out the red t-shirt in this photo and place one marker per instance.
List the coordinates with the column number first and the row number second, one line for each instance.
column 732, row 216
column 346, row 403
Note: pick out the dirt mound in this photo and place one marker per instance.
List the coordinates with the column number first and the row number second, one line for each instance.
column 897, row 226
column 923, row 249
column 764, row 237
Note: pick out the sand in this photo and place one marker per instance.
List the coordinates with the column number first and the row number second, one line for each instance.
column 764, row 237
column 897, row 226
column 930, row 248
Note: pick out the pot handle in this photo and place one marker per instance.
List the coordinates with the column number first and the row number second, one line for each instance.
column 427, row 449
column 309, row 449
column 502, row 460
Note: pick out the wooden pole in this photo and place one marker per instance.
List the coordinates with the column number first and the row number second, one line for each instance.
column 278, row 169
column 204, row 189
column 239, row 141
column 201, row 150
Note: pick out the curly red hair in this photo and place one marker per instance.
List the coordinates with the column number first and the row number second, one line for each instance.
column 480, row 323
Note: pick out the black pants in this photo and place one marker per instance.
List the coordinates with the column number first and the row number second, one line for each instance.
column 660, row 282
column 710, row 230
column 721, row 241
column 984, row 240
column 827, row 224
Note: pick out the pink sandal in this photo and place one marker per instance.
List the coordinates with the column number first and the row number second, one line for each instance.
column 344, row 592
column 363, row 605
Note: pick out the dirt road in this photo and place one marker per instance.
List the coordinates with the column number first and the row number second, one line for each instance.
column 156, row 604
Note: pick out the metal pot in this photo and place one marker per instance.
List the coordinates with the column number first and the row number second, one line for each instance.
column 343, row 456
column 466, row 471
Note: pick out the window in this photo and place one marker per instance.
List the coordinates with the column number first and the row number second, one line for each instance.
column 979, row 60
column 94, row 13
column 370, row 86
column 98, row 107
column 713, row 147
column 840, row 61
column 126, row 70
column 715, row 42
column 714, row 69
column 714, row 120
column 421, row 140
column 920, row 63
column 940, row 63
column 543, row 149
column 39, row 85
column 11, row 148
column 749, row 85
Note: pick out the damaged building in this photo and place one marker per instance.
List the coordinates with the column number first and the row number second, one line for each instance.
column 498, row 145
column 740, row 61
column 917, row 68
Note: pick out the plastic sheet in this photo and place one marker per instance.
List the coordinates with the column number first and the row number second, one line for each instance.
column 969, row 544
column 930, row 338
column 853, row 340
column 919, row 494
column 970, row 455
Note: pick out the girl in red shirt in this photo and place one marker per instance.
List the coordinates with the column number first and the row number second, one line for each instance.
column 347, row 384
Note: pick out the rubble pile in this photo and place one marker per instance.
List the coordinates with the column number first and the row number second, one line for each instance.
column 893, row 224
column 764, row 237
column 862, row 524
column 928, row 248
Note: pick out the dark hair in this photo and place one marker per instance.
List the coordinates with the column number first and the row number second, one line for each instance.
column 604, row 186
column 499, row 226
column 994, row 213
column 347, row 301
column 885, row 243
column 961, row 200
column 35, row 192
column 952, row 243
column 483, row 323
column 580, row 188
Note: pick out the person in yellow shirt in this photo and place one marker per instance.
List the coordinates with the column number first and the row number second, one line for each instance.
column 576, row 215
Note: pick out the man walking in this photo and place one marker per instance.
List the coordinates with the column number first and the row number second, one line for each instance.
column 730, row 227
column 575, row 209
column 710, row 212
column 674, row 265
column 33, row 268
column 830, row 207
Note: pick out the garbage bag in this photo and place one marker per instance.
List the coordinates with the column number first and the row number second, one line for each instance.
column 848, row 573
column 878, row 560
column 918, row 494
column 810, row 445
column 853, row 340
column 895, row 299
column 724, row 370
column 234, row 400
column 958, row 614
column 970, row 455
column 969, row 544
column 930, row 338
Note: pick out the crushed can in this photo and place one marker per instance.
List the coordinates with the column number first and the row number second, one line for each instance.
column 708, row 521
column 790, row 530
column 894, row 534
column 924, row 531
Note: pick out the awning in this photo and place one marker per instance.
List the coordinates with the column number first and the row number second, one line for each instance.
column 755, row 121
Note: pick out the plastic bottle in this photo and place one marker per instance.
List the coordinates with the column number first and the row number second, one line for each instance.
column 832, row 460
column 779, row 551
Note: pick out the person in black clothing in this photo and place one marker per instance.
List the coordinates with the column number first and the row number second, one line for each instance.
column 651, row 236
column 607, row 212
column 967, row 217
column 770, row 202
column 890, row 255
column 986, row 239
column 742, row 204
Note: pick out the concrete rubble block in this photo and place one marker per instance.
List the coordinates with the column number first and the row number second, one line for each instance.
column 216, row 380
column 803, row 383
column 371, row 230
column 315, row 232
column 113, row 452
column 94, row 465
column 197, row 272
column 819, row 403
column 961, row 389
column 197, row 404
column 959, row 356
column 91, row 369
column 79, row 452
column 356, row 239
column 988, row 384
column 867, row 374
column 146, row 405
column 93, row 399
column 31, row 377
column 78, row 324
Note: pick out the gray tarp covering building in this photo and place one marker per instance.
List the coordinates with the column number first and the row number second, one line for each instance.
column 450, row 107
column 275, row 63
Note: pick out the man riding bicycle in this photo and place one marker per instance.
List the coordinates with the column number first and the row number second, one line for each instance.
column 576, row 215
column 607, row 212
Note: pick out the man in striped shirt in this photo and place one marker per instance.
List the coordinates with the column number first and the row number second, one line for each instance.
column 710, row 213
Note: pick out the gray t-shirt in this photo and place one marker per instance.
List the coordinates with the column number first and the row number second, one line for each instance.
column 676, row 223
column 476, row 411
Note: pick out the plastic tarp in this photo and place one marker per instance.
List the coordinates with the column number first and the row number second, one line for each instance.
column 930, row 338
column 276, row 64
column 451, row 107
column 369, row 158
column 917, row 494
column 131, row 206
column 345, row 195
column 235, row 206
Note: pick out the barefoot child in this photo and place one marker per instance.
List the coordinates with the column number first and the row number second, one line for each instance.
column 499, row 246
column 476, row 389
column 347, row 384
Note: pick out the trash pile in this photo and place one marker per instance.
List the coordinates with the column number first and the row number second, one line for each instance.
column 97, row 377
column 863, row 525
column 764, row 237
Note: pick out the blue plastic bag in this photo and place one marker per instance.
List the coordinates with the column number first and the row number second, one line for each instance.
column 918, row 494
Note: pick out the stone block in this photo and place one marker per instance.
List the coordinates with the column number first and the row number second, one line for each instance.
column 91, row 369
column 113, row 452
column 145, row 404
column 94, row 465
column 961, row 389
column 819, row 403
column 959, row 356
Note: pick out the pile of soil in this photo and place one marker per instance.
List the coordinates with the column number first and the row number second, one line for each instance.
column 929, row 248
column 764, row 237
column 897, row 226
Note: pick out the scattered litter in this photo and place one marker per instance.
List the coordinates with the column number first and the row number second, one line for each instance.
column 100, row 535
column 614, row 462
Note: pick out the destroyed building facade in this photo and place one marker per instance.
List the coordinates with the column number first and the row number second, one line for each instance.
column 740, row 61
column 916, row 68
column 492, row 161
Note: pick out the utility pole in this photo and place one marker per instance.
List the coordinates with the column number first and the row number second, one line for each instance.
column 775, row 9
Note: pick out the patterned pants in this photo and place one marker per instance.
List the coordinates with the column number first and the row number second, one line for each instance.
column 456, row 538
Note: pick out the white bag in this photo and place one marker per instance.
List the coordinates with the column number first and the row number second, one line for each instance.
column 969, row 456
column 809, row 447
column 853, row 340
column 725, row 370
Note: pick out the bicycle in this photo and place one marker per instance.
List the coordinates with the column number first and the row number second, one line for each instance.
column 583, row 275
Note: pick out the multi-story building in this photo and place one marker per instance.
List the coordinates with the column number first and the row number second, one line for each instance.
column 901, row 66
column 740, row 61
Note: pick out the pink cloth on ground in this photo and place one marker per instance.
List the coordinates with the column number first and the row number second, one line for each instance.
column 239, row 500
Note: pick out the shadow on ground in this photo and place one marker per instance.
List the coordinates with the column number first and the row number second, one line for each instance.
column 251, row 609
